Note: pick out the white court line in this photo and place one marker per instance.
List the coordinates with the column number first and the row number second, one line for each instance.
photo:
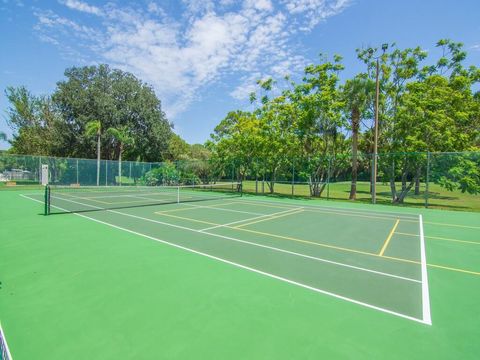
column 4, row 338
column 248, row 242
column 427, row 317
column 249, row 268
column 250, row 219
column 407, row 216
column 215, row 207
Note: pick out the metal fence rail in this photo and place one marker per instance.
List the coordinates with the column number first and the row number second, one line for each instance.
column 439, row 180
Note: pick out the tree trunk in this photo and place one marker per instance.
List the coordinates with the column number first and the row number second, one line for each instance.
column 355, row 126
column 417, row 186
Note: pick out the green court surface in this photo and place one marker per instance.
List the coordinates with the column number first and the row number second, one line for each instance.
column 235, row 277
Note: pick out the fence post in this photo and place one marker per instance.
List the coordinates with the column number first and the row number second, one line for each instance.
column 293, row 177
column 427, row 179
column 371, row 180
column 39, row 169
column 263, row 178
column 256, row 176
column 328, row 179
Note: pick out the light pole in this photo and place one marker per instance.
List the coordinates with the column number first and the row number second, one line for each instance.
column 375, row 141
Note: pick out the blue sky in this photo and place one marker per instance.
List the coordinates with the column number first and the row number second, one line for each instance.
column 203, row 57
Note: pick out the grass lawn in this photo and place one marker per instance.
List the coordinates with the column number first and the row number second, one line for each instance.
column 438, row 197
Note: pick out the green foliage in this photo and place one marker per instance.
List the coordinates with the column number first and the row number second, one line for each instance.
column 37, row 125
column 89, row 99
column 421, row 108
column 93, row 128
column 166, row 174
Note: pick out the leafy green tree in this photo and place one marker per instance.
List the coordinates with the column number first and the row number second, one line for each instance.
column 121, row 137
column 94, row 128
column 357, row 95
column 236, row 140
column 116, row 99
column 319, row 104
column 164, row 175
column 3, row 136
column 35, row 122
column 178, row 149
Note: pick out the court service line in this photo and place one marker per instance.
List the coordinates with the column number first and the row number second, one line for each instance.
column 427, row 318
column 270, row 217
column 337, row 296
column 389, row 237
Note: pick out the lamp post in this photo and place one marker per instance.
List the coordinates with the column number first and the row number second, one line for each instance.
column 377, row 96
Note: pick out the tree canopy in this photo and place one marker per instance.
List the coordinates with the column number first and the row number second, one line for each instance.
column 321, row 122
column 57, row 124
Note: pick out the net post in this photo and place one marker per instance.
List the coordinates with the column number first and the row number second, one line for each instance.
column 178, row 194
column 47, row 200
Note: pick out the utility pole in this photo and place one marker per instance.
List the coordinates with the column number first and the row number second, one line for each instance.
column 375, row 146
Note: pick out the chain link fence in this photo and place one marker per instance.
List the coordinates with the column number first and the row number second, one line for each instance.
column 437, row 180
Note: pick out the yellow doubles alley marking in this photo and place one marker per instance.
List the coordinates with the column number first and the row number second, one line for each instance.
column 293, row 212
column 387, row 241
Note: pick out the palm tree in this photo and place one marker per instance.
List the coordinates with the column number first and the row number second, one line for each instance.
column 122, row 137
column 94, row 128
column 356, row 93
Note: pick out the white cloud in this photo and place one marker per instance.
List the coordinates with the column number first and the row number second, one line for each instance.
column 315, row 11
column 181, row 54
column 475, row 47
column 82, row 6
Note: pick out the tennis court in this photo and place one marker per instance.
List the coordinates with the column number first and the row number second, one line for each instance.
column 368, row 262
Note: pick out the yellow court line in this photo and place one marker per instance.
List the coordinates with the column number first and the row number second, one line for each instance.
column 331, row 246
column 359, row 215
column 293, row 212
column 452, row 225
column 389, row 237
column 309, row 242
column 343, row 213
column 186, row 218
column 357, row 251
column 454, row 269
column 441, row 238
column 265, row 205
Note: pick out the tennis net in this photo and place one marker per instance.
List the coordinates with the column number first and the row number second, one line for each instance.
column 69, row 199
